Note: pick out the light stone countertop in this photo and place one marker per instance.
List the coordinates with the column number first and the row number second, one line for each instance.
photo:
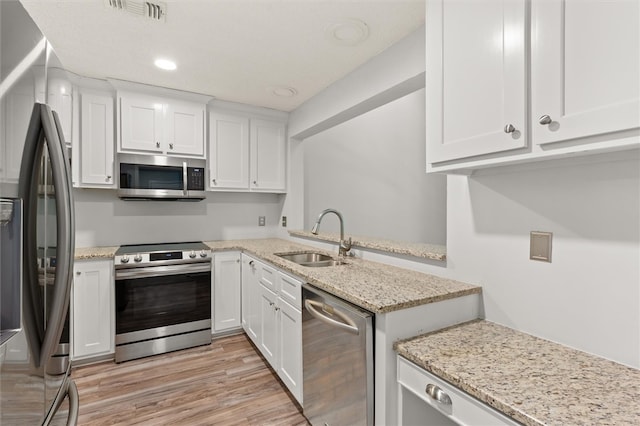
column 86, row 253
column 376, row 287
column 426, row 251
column 532, row 380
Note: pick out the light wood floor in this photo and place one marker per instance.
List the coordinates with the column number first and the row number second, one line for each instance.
column 225, row 383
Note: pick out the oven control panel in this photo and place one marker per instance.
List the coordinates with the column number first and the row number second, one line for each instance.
column 149, row 259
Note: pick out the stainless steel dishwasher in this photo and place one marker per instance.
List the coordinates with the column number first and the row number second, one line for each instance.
column 337, row 353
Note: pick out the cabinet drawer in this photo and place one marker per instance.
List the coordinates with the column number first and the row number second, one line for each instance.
column 291, row 290
column 268, row 277
column 464, row 409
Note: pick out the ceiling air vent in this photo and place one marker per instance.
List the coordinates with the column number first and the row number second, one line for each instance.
column 152, row 10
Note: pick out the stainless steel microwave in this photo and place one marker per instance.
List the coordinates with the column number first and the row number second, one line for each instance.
column 157, row 177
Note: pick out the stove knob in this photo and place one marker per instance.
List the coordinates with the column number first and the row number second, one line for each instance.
column 137, row 258
column 203, row 253
column 192, row 254
column 124, row 259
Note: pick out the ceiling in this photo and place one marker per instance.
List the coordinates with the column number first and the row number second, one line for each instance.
column 234, row 50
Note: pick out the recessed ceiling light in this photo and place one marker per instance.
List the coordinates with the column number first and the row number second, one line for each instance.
column 347, row 32
column 165, row 64
column 283, row 91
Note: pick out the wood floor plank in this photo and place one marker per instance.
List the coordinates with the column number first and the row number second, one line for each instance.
column 225, row 383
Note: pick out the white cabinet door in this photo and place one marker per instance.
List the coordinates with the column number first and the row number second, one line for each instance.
column 184, row 128
column 96, row 143
column 268, row 342
column 290, row 348
column 250, row 298
column 60, row 100
column 141, row 124
column 585, row 68
column 228, row 151
column 476, row 79
column 226, row 291
column 93, row 307
column 268, row 155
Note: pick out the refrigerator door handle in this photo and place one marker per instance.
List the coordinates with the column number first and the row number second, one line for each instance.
column 74, row 404
column 65, row 225
column 44, row 131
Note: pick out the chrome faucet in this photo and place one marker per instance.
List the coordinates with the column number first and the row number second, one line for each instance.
column 345, row 246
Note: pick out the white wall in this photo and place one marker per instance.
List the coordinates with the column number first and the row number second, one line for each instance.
column 102, row 219
column 354, row 168
column 588, row 297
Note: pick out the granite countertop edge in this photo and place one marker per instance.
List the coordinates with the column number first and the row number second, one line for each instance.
column 308, row 274
column 425, row 251
column 87, row 253
column 439, row 289
column 526, row 366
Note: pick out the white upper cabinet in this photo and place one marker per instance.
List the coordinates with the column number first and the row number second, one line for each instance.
column 97, row 141
column 228, row 151
column 141, row 122
column 585, row 58
column 246, row 153
column 158, row 125
column 184, row 128
column 567, row 68
column 60, row 100
column 476, row 78
column 268, row 155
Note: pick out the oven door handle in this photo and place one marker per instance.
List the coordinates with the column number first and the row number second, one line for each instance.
column 159, row 271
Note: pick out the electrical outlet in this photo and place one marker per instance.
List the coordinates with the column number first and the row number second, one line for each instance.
column 261, row 220
column 540, row 246
column 284, row 221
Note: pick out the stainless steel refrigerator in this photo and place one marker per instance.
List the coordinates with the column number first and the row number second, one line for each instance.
column 36, row 233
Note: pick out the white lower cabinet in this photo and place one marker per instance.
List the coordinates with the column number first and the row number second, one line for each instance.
column 290, row 347
column 226, row 291
column 272, row 318
column 250, row 298
column 92, row 313
column 268, row 337
column 453, row 407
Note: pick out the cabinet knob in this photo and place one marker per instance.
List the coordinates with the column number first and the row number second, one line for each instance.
column 509, row 128
column 270, row 303
column 277, row 309
column 251, row 263
column 108, row 178
column 157, row 144
column 544, row 120
column 214, row 181
column 255, row 182
column 78, row 273
column 170, row 146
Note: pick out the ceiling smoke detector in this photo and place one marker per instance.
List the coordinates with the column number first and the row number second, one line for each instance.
column 152, row 10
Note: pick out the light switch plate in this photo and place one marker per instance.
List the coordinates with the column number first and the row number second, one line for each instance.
column 540, row 247
column 261, row 220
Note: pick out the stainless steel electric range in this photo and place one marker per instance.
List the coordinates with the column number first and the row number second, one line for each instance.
column 163, row 298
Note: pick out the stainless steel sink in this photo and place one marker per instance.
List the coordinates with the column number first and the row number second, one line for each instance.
column 310, row 259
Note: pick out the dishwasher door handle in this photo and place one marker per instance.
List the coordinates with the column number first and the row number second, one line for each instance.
column 348, row 324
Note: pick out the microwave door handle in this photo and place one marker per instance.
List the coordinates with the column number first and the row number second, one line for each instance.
column 65, row 244
column 184, row 178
